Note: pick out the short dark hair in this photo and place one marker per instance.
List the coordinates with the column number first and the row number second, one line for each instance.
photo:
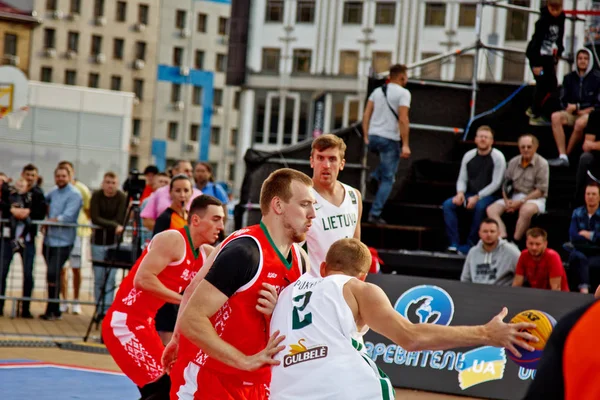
column 110, row 174
column 64, row 168
column 180, row 177
column 65, row 162
column 537, row 232
column 151, row 169
column 490, row 221
column 29, row 167
column 593, row 184
column 397, row 69
column 328, row 141
column 201, row 203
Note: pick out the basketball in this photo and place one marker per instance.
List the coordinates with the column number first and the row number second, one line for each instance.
column 545, row 323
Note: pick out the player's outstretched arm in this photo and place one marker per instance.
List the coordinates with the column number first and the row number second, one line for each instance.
column 165, row 248
column 375, row 310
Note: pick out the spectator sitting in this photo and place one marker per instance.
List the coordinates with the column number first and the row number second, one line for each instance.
column 150, row 174
column 493, row 260
column 584, row 234
column 528, row 174
column 540, row 266
column 20, row 198
column 579, row 97
column 589, row 160
column 478, row 184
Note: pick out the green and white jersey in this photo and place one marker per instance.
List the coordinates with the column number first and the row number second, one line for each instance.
column 330, row 225
column 322, row 359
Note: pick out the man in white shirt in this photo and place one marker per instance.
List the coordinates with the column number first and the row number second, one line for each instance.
column 385, row 127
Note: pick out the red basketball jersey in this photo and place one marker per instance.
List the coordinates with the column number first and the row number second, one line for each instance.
column 238, row 322
column 176, row 276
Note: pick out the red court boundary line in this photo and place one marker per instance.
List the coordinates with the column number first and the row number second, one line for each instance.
column 43, row 364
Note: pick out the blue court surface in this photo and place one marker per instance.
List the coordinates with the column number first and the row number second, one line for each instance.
column 27, row 379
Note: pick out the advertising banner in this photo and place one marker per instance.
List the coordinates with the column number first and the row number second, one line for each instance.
column 318, row 115
column 479, row 372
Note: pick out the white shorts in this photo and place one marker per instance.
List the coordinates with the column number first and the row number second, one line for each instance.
column 540, row 203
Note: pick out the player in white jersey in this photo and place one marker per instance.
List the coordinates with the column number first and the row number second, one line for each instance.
column 319, row 317
column 338, row 206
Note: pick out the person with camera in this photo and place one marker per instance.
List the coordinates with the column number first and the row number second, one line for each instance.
column 108, row 207
column 525, row 187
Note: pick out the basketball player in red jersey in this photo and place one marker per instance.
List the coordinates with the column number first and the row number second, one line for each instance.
column 162, row 272
column 224, row 350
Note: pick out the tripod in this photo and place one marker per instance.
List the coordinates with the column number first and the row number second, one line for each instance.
column 121, row 258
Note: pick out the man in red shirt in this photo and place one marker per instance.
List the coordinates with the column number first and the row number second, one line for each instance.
column 223, row 335
column 540, row 266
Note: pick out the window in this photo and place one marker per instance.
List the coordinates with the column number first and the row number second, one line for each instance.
column 197, row 95
column 270, row 60
column 50, row 5
column 385, row 13
column 353, row 12
column 75, row 7
column 96, row 47
column 115, row 82
column 302, row 59
column 435, row 14
column 201, row 23
column 349, row 63
column 10, row 44
column 513, row 67
column 175, row 92
column 172, row 132
column 221, row 64
column 215, row 135
column 180, row 19
column 143, row 14
column 236, row 100
column 194, row 128
column 98, row 8
column 223, row 25
column 431, row 70
column 70, row 77
column 382, row 60
column 231, row 172
column 233, row 137
column 305, row 11
column 121, row 11
column 467, row 14
column 199, row 59
column 49, row 37
column 46, row 74
column 138, row 88
column 517, row 21
column 118, row 45
column 218, row 97
column 133, row 162
column 140, row 50
column 463, row 68
column 93, row 80
column 274, row 11
column 73, row 41
column 136, row 127
column 177, row 56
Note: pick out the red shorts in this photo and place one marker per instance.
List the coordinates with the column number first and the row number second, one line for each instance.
column 190, row 382
column 134, row 345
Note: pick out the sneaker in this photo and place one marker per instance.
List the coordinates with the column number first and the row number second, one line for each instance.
column 539, row 121
column 26, row 315
column 76, row 309
column 376, row 220
column 452, row 249
column 63, row 308
column 48, row 317
column 529, row 112
column 558, row 162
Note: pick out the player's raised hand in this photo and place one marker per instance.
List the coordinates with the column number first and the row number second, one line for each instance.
column 265, row 357
column 501, row 334
column 266, row 303
column 170, row 355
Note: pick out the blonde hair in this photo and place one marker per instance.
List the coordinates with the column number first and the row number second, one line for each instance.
column 349, row 256
column 279, row 184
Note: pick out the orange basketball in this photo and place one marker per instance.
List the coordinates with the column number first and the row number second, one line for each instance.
column 544, row 325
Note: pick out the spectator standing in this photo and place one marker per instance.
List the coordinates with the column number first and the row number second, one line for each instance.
column 19, row 199
column 540, row 266
column 64, row 204
column 543, row 51
column 205, row 182
column 525, row 188
column 161, row 199
column 493, row 260
column 584, row 234
column 149, row 173
column 161, row 179
column 386, row 127
column 107, row 207
column 478, row 185
column 579, row 97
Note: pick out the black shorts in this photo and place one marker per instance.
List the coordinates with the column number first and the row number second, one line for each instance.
column 166, row 316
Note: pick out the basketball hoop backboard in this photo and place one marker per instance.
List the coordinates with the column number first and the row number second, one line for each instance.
column 14, row 90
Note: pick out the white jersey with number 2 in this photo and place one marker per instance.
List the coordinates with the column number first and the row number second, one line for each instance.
column 322, row 360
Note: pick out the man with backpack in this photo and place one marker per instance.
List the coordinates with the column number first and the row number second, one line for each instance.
column 385, row 130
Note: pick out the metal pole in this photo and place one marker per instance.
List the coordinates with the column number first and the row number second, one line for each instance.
column 429, row 60
column 440, row 84
column 526, row 9
column 572, row 58
column 476, row 57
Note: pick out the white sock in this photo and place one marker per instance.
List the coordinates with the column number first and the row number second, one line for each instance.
column 564, row 157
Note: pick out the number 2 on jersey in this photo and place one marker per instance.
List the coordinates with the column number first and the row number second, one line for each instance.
column 300, row 303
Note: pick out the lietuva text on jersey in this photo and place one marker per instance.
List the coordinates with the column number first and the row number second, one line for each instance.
column 339, row 221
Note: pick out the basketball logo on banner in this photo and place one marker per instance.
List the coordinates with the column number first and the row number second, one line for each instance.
column 426, row 304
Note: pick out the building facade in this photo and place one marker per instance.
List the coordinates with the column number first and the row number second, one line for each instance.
column 16, row 27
